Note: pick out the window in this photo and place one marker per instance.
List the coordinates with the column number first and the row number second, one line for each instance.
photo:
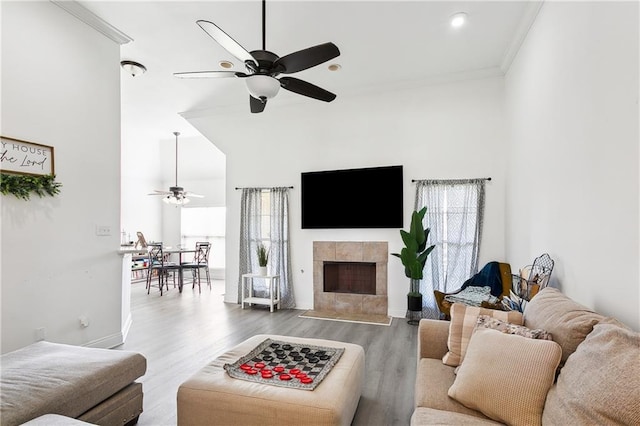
column 205, row 224
column 455, row 211
column 458, row 212
column 265, row 218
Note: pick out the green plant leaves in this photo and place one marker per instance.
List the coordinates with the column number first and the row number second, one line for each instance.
column 263, row 255
column 415, row 253
column 409, row 240
column 22, row 186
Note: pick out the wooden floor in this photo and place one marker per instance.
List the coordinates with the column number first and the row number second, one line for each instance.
column 180, row 333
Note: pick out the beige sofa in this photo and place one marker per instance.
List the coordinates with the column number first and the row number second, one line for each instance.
column 45, row 381
column 588, row 374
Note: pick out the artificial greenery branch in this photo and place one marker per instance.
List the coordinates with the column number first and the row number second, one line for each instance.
column 23, row 185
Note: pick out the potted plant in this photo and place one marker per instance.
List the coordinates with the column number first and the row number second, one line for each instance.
column 414, row 256
column 263, row 258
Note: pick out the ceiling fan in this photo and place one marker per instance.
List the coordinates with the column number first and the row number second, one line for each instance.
column 263, row 67
column 176, row 194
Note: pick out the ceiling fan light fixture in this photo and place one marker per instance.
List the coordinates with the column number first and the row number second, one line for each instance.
column 458, row 19
column 226, row 64
column 133, row 68
column 334, row 67
column 176, row 201
column 176, row 195
column 262, row 86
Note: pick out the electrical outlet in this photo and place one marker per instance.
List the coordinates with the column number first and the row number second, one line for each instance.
column 103, row 230
column 84, row 321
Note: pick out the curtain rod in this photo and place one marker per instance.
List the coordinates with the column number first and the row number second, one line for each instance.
column 269, row 187
column 416, row 180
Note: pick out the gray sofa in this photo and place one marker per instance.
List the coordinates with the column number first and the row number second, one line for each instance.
column 589, row 373
column 93, row 385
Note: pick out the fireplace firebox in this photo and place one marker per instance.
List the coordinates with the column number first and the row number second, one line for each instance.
column 350, row 277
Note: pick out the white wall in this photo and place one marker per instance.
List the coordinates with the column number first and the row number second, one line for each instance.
column 141, row 174
column 572, row 100
column 446, row 131
column 60, row 87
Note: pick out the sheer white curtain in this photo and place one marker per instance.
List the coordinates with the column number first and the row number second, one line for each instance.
column 250, row 232
column 455, row 212
column 279, row 258
column 265, row 219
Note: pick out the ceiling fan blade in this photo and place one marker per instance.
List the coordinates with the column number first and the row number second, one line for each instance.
column 257, row 105
column 156, row 192
column 301, row 87
column 306, row 58
column 225, row 40
column 209, row 74
column 192, row 195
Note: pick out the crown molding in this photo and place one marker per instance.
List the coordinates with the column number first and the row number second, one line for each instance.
column 241, row 107
column 85, row 15
column 528, row 18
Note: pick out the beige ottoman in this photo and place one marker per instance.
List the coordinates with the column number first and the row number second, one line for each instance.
column 211, row 396
column 55, row 420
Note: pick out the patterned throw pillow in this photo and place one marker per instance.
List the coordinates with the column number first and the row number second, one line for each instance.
column 485, row 321
column 463, row 323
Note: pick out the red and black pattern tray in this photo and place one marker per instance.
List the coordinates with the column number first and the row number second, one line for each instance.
column 286, row 364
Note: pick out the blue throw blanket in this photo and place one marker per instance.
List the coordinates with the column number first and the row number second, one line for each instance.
column 489, row 276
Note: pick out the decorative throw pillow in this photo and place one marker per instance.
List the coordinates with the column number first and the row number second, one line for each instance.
column 569, row 322
column 463, row 322
column 485, row 321
column 600, row 382
column 506, row 376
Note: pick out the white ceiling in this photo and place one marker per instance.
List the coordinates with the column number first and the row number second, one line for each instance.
column 383, row 44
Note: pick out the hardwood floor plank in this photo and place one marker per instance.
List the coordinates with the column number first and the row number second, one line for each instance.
column 180, row 333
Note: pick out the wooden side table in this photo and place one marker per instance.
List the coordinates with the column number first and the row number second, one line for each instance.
column 273, row 282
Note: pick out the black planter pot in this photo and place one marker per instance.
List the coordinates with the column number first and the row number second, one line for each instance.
column 414, row 303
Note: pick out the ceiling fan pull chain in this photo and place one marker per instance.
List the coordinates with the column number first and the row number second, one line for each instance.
column 264, row 12
column 177, row 134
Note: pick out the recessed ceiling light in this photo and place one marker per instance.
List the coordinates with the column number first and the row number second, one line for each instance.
column 226, row 64
column 458, row 19
column 334, row 67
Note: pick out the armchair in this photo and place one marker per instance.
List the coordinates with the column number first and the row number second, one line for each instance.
column 496, row 275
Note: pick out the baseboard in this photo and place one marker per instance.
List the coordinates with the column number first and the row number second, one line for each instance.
column 126, row 327
column 396, row 313
column 107, row 342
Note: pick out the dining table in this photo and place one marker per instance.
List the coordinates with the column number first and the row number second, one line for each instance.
column 179, row 251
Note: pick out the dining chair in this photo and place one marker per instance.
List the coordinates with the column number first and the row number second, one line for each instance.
column 159, row 265
column 200, row 261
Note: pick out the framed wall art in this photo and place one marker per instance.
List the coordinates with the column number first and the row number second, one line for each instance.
column 25, row 158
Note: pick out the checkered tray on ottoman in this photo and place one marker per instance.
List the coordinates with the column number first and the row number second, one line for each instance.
column 291, row 365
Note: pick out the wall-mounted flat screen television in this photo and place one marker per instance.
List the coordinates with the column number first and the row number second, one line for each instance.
column 352, row 198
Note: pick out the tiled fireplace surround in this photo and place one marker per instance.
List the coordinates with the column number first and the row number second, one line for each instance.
column 350, row 251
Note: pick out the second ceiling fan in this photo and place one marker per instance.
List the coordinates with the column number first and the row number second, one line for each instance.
column 263, row 67
column 176, row 194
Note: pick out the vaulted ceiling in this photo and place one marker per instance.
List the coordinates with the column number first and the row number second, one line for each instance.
column 383, row 44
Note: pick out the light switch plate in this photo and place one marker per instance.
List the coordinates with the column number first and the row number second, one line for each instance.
column 103, row 230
